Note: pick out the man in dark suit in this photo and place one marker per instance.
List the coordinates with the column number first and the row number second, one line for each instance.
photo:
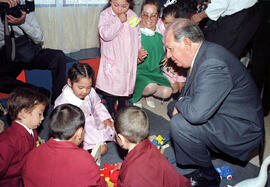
column 219, row 108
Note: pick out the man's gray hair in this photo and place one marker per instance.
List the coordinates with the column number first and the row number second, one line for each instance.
column 185, row 28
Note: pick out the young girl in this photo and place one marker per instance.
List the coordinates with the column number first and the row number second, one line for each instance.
column 79, row 92
column 149, row 79
column 120, row 43
column 176, row 75
column 25, row 107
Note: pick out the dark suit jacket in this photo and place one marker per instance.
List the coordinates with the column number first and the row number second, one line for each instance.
column 220, row 93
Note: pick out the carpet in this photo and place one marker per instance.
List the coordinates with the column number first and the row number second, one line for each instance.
column 159, row 125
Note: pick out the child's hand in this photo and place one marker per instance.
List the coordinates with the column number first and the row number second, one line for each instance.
column 142, row 54
column 109, row 123
column 123, row 17
column 118, row 166
column 164, row 61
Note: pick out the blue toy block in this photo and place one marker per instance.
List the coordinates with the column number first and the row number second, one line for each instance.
column 225, row 172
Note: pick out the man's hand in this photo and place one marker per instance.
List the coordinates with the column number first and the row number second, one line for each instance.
column 11, row 3
column 123, row 17
column 197, row 18
column 17, row 21
column 175, row 111
column 142, row 54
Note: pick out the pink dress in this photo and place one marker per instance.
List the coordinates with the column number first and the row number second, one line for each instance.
column 172, row 76
column 120, row 43
column 95, row 113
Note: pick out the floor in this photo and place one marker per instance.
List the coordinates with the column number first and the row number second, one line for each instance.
column 161, row 109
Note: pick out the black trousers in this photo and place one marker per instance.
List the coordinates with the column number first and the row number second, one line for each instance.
column 260, row 66
column 193, row 143
column 47, row 59
column 110, row 101
column 235, row 31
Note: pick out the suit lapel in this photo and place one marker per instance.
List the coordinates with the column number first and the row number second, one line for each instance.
column 198, row 60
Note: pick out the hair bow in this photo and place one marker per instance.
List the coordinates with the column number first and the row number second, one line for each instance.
column 169, row 2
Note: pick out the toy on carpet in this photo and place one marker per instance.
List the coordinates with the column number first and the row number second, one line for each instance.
column 225, row 172
column 160, row 142
column 259, row 181
column 110, row 174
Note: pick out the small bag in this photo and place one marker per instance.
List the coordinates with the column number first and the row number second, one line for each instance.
column 25, row 49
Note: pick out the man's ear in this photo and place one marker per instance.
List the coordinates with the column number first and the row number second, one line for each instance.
column 69, row 82
column 187, row 42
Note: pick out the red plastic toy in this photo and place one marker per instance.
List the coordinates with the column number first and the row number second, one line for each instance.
column 110, row 174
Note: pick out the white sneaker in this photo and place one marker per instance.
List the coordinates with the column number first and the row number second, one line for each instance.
column 150, row 102
column 138, row 104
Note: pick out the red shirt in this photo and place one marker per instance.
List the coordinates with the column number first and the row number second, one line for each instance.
column 144, row 165
column 15, row 143
column 60, row 163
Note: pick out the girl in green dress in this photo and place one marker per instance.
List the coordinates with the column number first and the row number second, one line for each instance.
column 149, row 78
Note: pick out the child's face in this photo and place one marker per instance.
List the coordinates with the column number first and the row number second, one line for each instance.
column 32, row 119
column 81, row 88
column 168, row 20
column 149, row 16
column 119, row 6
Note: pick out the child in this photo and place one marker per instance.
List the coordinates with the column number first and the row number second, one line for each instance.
column 60, row 162
column 176, row 75
column 144, row 165
column 79, row 92
column 149, row 79
column 120, row 43
column 25, row 107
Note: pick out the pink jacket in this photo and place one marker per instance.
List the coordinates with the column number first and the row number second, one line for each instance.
column 95, row 113
column 120, row 43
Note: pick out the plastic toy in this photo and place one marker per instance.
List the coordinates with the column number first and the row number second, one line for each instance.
column 225, row 172
column 110, row 174
column 159, row 141
column 259, row 181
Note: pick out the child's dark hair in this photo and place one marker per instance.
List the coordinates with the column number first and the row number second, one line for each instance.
column 175, row 11
column 65, row 120
column 152, row 2
column 24, row 98
column 80, row 70
column 132, row 122
column 130, row 2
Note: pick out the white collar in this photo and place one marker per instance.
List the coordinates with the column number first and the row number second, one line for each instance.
column 28, row 129
column 148, row 32
column 195, row 56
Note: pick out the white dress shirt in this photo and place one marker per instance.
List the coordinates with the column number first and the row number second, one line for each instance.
column 31, row 27
column 28, row 129
column 221, row 8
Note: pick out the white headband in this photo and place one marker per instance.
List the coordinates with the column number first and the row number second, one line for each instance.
column 169, row 2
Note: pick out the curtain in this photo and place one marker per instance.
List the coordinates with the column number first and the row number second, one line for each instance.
column 69, row 25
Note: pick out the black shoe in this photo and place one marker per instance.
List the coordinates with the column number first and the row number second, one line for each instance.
column 197, row 179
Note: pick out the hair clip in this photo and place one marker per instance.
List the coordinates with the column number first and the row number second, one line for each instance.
column 169, row 2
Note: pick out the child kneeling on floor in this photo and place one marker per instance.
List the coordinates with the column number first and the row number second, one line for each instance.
column 79, row 92
column 60, row 162
column 144, row 165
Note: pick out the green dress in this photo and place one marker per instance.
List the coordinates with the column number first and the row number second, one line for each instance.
column 149, row 70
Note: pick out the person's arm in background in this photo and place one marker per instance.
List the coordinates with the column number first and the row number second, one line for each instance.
column 29, row 24
column 11, row 3
column 213, row 11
